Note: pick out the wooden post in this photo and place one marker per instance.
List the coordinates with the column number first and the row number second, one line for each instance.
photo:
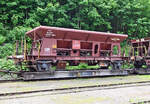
column 22, row 46
column 17, row 45
column 25, row 50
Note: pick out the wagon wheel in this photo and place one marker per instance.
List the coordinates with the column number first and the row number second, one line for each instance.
column 116, row 65
column 112, row 66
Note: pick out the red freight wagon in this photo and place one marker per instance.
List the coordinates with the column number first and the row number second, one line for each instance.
column 140, row 54
column 53, row 46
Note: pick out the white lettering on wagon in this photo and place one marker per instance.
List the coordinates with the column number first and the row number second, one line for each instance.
column 46, row 49
column 115, row 39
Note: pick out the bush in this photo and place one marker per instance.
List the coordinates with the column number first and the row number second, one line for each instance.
column 128, row 66
column 16, row 33
column 6, row 50
column 2, row 39
column 7, row 64
column 82, row 66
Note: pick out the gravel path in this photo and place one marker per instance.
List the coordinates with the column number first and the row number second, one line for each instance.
column 126, row 95
column 53, row 84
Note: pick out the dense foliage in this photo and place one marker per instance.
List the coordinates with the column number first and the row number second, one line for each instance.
column 7, row 64
column 130, row 17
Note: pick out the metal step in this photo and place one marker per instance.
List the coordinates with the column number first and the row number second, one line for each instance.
column 72, row 74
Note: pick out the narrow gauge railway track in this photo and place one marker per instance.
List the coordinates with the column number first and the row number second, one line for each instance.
column 80, row 88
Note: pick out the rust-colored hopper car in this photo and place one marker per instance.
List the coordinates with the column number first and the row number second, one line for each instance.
column 140, row 52
column 53, row 46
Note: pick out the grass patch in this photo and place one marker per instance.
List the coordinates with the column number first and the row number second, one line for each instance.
column 144, row 76
column 81, row 66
